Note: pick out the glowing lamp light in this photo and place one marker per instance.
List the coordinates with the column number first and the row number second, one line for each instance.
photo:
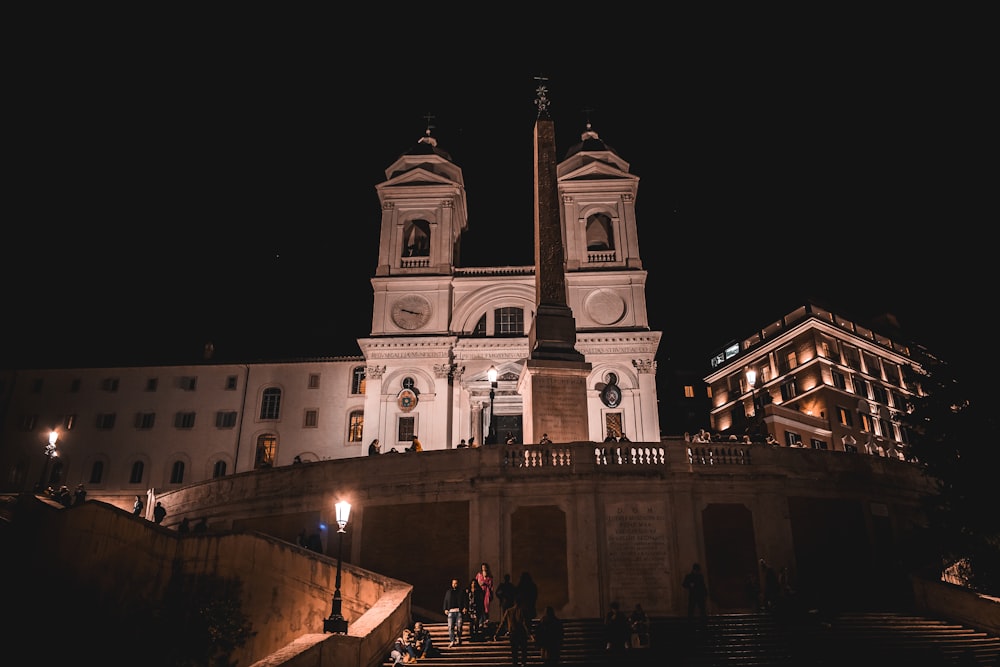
column 343, row 514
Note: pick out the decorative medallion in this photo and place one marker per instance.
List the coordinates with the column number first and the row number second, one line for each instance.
column 605, row 307
column 406, row 400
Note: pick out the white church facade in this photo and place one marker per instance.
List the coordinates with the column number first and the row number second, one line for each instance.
column 438, row 330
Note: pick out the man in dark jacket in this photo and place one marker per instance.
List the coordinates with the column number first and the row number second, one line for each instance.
column 454, row 604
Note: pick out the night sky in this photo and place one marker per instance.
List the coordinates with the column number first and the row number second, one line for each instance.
column 179, row 188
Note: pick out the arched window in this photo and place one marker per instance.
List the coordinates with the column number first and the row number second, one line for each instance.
column 136, row 476
column 270, row 404
column 358, row 380
column 356, row 426
column 267, row 446
column 417, row 238
column 97, row 472
column 480, row 329
column 599, row 235
column 177, row 473
column 219, row 469
column 508, row 322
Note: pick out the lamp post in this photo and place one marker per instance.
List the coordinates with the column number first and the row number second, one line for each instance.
column 491, row 374
column 50, row 451
column 337, row 624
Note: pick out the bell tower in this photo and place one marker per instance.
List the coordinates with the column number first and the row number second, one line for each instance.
column 423, row 217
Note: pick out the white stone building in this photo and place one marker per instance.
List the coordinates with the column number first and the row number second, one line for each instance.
column 437, row 330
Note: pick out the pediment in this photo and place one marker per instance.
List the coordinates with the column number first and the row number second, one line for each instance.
column 593, row 169
column 423, row 164
column 420, row 176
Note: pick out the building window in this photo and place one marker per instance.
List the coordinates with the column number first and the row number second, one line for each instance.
column 311, row 418
column 406, row 429
column 69, row 422
column 152, row 384
column 177, row 473
column 892, row 375
column 270, row 405
column 599, row 235
column 886, row 427
column 135, row 477
column 480, row 330
column 97, row 472
column 789, row 390
column 106, row 421
column 508, row 322
column 267, row 447
column 793, row 439
column 818, row 444
column 231, row 383
column 417, row 238
column 688, row 391
column 845, row 416
column 189, row 383
column 787, row 360
column 860, row 386
column 872, row 365
column 358, row 376
column 314, row 380
column 852, row 357
column 219, row 469
column 184, row 420
column 356, row 425
column 28, row 422
column 145, row 420
column 839, row 381
column 899, row 401
column 879, row 394
column 225, row 419
column 866, row 423
column 109, row 384
column 613, row 425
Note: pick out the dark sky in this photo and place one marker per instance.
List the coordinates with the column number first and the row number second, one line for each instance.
column 176, row 188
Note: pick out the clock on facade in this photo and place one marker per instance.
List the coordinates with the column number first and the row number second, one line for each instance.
column 411, row 311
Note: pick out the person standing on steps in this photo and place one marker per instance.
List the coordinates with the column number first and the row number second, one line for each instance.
column 694, row 583
column 454, row 602
column 159, row 512
column 137, row 506
column 484, row 579
column 549, row 636
column 506, row 594
column 517, row 626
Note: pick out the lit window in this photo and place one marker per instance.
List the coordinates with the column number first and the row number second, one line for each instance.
column 356, row 426
column 358, row 380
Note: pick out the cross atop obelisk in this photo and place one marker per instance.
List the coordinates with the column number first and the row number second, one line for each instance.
column 555, row 378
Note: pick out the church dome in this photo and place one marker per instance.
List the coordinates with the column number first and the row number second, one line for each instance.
column 589, row 142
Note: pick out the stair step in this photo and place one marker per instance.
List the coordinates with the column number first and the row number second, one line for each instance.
column 744, row 640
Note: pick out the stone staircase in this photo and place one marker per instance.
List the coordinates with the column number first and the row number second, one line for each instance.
column 751, row 640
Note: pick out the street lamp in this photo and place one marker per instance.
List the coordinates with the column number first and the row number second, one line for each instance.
column 50, row 451
column 337, row 624
column 491, row 374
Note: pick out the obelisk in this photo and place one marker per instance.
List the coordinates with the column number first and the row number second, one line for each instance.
column 555, row 380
